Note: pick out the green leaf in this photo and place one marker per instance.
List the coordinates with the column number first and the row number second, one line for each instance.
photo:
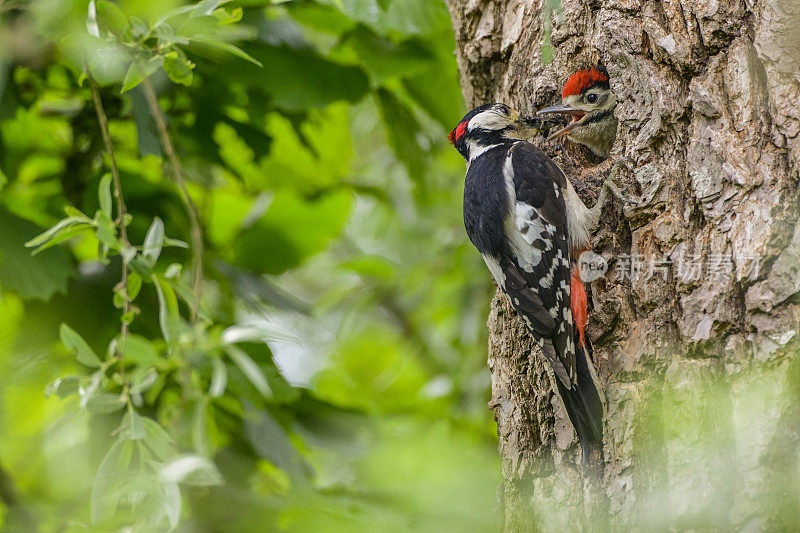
column 132, row 426
column 177, row 243
column 128, row 253
column 226, row 47
column 219, row 377
column 298, row 79
column 191, row 470
column 139, row 27
column 177, row 13
column 78, row 346
column 178, row 68
column 207, row 7
column 227, row 208
column 167, row 37
column 106, row 231
column 292, row 230
column 140, row 71
column 104, row 195
column 134, row 285
column 63, row 387
column 73, row 211
column 106, row 491
column 436, row 89
column 270, row 441
column 406, row 17
column 110, row 18
column 320, row 17
column 142, row 379
column 153, row 241
column 38, row 276
column 316, row 156
column 173, row 271
column 384, row 58
column 171, row 503
column 157, row 439
column 168, row 315
column 43, row 241
column 402, row 130
column 228, row 17
column 104, row 403
column 88, row 389
column 192, row 26
column 141, row 351
column 250, row 369
column 257, row 333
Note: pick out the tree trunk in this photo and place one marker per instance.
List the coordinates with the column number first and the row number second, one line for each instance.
column 698, row 370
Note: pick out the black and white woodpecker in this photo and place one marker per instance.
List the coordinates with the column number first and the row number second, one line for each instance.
column 588, row 100
column 523, row 215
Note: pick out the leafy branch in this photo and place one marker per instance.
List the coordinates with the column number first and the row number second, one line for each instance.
column 121, row 221
column 196, row 230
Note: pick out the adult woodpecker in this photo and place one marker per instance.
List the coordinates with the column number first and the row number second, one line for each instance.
column 587, row 98
column 525, row 218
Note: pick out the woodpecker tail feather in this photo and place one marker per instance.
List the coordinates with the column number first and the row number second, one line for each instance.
column 584, row 407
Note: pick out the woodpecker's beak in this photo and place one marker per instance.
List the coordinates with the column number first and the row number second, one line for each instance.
column 576, row 114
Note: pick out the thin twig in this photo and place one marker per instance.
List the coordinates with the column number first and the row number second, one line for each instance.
column 191, row 208
column 102, row 120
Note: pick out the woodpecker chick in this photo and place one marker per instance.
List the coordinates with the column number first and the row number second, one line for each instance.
column 588, row 100
column 524, row 217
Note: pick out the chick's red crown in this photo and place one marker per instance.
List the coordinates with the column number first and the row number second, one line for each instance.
column 583, row 79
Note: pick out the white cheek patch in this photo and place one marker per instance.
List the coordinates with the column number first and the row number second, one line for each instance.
column 488, row 120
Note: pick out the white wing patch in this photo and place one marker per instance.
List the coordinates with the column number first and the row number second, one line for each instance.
column 525, row 226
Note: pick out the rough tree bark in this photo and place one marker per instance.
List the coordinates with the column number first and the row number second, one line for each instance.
column 702, row 412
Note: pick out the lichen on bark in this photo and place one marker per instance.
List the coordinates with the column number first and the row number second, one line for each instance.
column 698, row 374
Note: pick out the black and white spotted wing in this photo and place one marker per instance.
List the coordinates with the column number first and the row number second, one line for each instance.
column 530, row 260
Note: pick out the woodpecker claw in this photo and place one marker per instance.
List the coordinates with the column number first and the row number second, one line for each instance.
column 611, row 184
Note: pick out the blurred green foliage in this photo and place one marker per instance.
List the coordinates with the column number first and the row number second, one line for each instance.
column 334, row 378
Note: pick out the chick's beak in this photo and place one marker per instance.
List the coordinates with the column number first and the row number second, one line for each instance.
column 576, row 114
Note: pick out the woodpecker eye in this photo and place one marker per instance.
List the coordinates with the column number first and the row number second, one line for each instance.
column 591, row 98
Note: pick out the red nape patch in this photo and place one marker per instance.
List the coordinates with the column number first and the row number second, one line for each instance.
column 581, row 80
column 456, row 134
column 579, row 306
